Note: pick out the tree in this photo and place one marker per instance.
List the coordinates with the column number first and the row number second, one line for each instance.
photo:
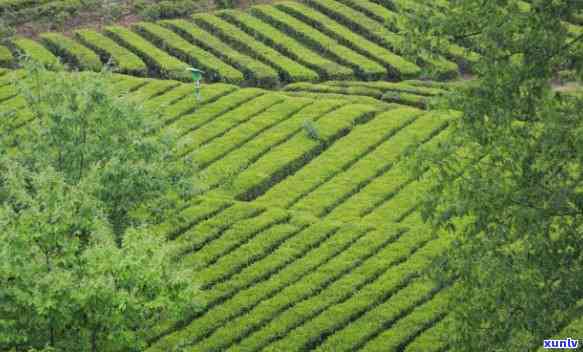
column 517, row 185
column 65, row 284
column 79, row 187
column 84, row 131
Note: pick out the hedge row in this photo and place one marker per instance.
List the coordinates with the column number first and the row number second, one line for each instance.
column 72, row 52
column 434, row 339
column 311, row 247
column 246, row 156
column 408, row 198
column 396, row 94
column 188, row 125
column 222, row 124
column 379, row 34
column 398, row 67
column 215, row 69
column 287, row 158
column 299, row 301
column 183, row 220
column 388, row 17
column 14, row 118
column 153, row 89
column 14, row 104
column 123, row 59
column 237, row 235
column 407, row 328
column 288, row 45
column 341, row 155
column 254, row 150
column 362, row 66
column 325, row 88
column 375, row 11
column 128, row 84
column 255, row 72
column 241, row 301
column 341, row 187
column 381, row 189
column 391, row 86
column 7, row 92
column 257, row 173
column 356, row 294
column 183, row 91
column 163, row 64
column 6, row 57
column 407, row 99
column 348, row 99
column 358, row 332
column 370, row 256
column 188, row 105
column 209, row 230
column 35, row 51
column 289, row 70
column 246, row 131
column 262, row 245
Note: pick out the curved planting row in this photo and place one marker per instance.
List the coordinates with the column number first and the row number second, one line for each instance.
column 389, row 92
column 267, row 46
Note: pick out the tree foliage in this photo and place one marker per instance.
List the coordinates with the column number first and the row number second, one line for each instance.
column 65, row 283
column 512, row 171
column 80, row 270
column 84, row 131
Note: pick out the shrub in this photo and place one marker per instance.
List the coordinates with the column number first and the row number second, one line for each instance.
column 256, row 72
column 73, row 52
column 289, row 46
column 215, row 69
column 123, row 60
column 35, row 51
column 287, row 68
column 361, row 65
column 163, row 64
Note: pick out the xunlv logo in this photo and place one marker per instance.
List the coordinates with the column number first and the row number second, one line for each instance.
column 561, row 344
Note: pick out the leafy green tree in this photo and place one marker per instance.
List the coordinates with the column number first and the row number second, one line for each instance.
column 519, row 255
column 65, row 283
column 84, row 131
column 79, row 187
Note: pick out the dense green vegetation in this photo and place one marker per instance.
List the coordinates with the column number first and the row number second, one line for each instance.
column 335, row 186
column 268, row 45
column 522, row 202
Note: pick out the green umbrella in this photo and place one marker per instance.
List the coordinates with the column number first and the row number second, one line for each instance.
column 196, row 77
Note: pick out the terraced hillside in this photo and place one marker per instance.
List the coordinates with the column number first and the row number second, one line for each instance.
column 308, row 236
column 267, row 46
column 300, row 243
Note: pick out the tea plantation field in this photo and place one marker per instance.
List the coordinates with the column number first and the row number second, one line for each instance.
column 267, row 46
column 307, row 237
column 303, row 241
column 300, row 243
